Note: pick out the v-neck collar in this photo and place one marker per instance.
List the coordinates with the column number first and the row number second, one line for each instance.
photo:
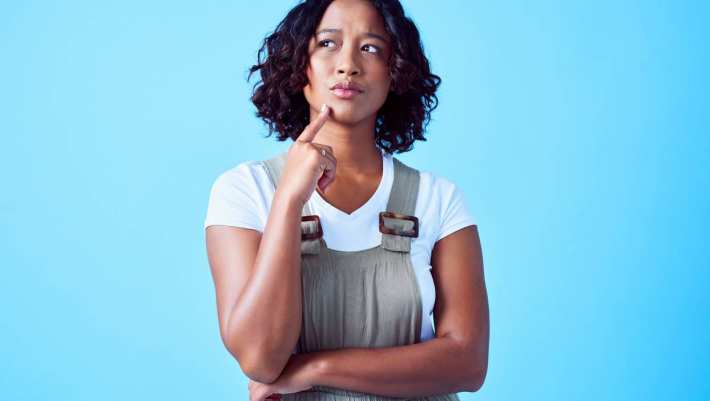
column 378, row 197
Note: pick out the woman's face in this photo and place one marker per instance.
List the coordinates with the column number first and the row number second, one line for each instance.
column 350, row 46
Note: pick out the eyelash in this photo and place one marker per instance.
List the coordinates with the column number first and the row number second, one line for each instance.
column 328, row 40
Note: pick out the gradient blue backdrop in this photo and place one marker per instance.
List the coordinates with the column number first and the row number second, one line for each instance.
column 577, row 130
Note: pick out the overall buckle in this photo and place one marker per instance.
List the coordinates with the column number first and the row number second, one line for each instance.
column 413, row 232
column 312, row 235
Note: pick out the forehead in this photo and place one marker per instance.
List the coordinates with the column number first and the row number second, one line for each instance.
column 352, row 15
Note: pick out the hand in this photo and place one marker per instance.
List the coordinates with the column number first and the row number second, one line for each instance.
column 306, row 165
column 296, row 376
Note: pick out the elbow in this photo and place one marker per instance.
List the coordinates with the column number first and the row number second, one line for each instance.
column 259, row 372
column 475, row 380
column 255, row 364
column 475, row 366
column 476, row 375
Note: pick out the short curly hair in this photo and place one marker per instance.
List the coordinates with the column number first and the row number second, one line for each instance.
column 282, row 62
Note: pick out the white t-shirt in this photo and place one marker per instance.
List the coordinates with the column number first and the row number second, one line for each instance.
column 241, row 197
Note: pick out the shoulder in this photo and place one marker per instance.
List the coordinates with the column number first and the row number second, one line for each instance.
column 433, row 186
column 250, row 170
column 247, row 178
column 240, row 196
column 437, row 184
column 430, row 179
column 443, row 202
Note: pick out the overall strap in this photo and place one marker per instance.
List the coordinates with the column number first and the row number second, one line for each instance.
column 311, row 229
column 398, row 224
column 274, row 167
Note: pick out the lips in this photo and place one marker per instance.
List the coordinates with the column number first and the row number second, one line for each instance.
column 346, row 89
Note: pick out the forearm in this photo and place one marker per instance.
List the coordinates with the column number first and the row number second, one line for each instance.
column 437, row 366
column 266, row 320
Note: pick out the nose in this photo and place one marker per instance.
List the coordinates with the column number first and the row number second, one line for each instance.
column 348, row 63
column 348, row 70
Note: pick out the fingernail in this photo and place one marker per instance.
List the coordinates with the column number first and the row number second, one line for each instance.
column 323, row 107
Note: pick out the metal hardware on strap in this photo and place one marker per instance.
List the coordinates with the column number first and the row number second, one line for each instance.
column 311, row 235
column 311, row 231
column 399, row 224
column 398, row 230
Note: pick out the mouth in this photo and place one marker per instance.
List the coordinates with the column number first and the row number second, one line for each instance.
column 346, row 89
column 345, row 93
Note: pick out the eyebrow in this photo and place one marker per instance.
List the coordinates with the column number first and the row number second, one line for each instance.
column 369, row 34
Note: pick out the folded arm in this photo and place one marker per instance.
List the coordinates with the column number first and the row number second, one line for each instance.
column 455, row 361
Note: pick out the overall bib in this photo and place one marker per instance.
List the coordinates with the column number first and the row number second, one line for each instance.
column 360, row 299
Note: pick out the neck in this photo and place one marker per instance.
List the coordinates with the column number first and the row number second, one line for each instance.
column 353, row 145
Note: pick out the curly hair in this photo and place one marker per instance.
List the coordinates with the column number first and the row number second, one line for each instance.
column 283, row 58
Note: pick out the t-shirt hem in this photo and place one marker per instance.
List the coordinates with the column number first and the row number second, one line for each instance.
column 456, row 227
column 238, row 224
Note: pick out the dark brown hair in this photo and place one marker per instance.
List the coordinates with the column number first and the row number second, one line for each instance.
column 282, row 62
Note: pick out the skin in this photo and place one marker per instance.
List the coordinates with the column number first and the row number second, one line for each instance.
column 344, row 48
column 257, row 276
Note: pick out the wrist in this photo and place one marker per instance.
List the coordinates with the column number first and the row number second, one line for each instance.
column 315, row 366
column 288, row 200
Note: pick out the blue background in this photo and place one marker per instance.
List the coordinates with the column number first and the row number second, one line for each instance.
column 578, row 132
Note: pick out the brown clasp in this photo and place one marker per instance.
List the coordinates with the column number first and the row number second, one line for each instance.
column 312, row 235
column 413, row 232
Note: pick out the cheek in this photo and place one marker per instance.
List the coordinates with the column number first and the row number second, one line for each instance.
column 386, row 80
column 310, row 91
column 315, row 73
column 381, row 73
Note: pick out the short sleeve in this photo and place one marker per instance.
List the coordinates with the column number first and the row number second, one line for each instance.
column 237, row 198
column 455, row 213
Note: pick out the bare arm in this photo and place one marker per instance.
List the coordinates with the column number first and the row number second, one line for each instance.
column 258, row 286
column 456, row 360
column 257, row 277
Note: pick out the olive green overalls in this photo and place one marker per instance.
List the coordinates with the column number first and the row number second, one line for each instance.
column 368, row 298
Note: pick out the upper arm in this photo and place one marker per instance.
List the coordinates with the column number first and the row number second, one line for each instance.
column 461, row 306
column 231, row 252
column 233, row 225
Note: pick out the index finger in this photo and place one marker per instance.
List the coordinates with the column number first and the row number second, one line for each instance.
column 312, row 128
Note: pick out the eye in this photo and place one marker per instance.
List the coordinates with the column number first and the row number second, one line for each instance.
column 323, row 42
column 374, row 49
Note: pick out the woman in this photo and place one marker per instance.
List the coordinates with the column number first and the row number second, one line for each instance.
column 328, row 259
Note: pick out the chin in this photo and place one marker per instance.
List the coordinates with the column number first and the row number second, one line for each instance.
column 348, row 114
